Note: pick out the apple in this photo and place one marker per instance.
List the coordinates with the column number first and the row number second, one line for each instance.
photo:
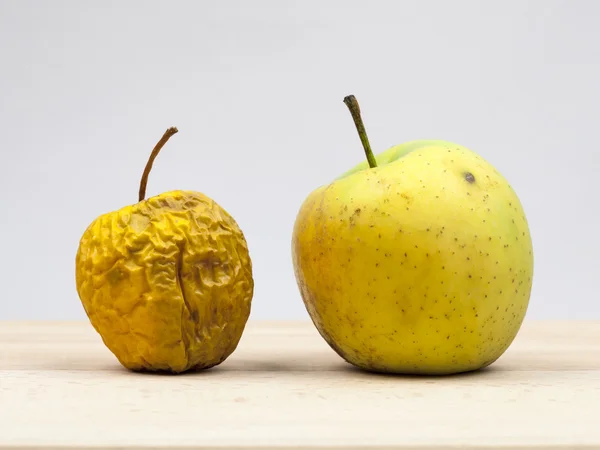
column 166, row 281
column 416, row 261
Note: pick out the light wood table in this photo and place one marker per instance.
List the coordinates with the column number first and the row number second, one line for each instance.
column 284, row 388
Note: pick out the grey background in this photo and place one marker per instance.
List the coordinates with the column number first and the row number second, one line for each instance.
column 256, row 89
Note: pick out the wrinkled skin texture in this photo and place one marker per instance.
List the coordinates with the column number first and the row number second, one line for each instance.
column 166, row 282
column 422, row 265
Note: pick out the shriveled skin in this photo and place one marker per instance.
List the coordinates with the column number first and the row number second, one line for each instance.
column 421, row 265
column 166, row 282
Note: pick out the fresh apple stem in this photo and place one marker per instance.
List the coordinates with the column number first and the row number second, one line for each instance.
column 163, row 140
column 352, row 105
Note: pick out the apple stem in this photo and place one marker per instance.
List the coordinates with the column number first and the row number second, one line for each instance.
column 352, row 105
column 163, row 140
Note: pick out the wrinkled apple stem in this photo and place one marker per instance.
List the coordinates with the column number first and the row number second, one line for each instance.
column 352, row 105
column 163, row 140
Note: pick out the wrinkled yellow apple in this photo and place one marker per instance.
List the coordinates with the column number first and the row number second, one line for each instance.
column 166, row 282
column 422, row 264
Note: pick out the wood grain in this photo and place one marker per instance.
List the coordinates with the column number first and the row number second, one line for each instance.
column 284, row 388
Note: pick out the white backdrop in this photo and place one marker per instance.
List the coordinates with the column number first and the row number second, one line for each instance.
column 256, row 89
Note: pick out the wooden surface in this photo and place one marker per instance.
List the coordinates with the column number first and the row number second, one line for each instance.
column 284, row 388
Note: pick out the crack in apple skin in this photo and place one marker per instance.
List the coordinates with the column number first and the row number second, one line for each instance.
column 433, row 275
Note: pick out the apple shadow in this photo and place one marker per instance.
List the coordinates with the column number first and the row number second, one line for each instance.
column 231, row 367
column 358, row 371
column 198, row 372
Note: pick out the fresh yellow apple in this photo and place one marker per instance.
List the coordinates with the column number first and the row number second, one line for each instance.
column 417, row 261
